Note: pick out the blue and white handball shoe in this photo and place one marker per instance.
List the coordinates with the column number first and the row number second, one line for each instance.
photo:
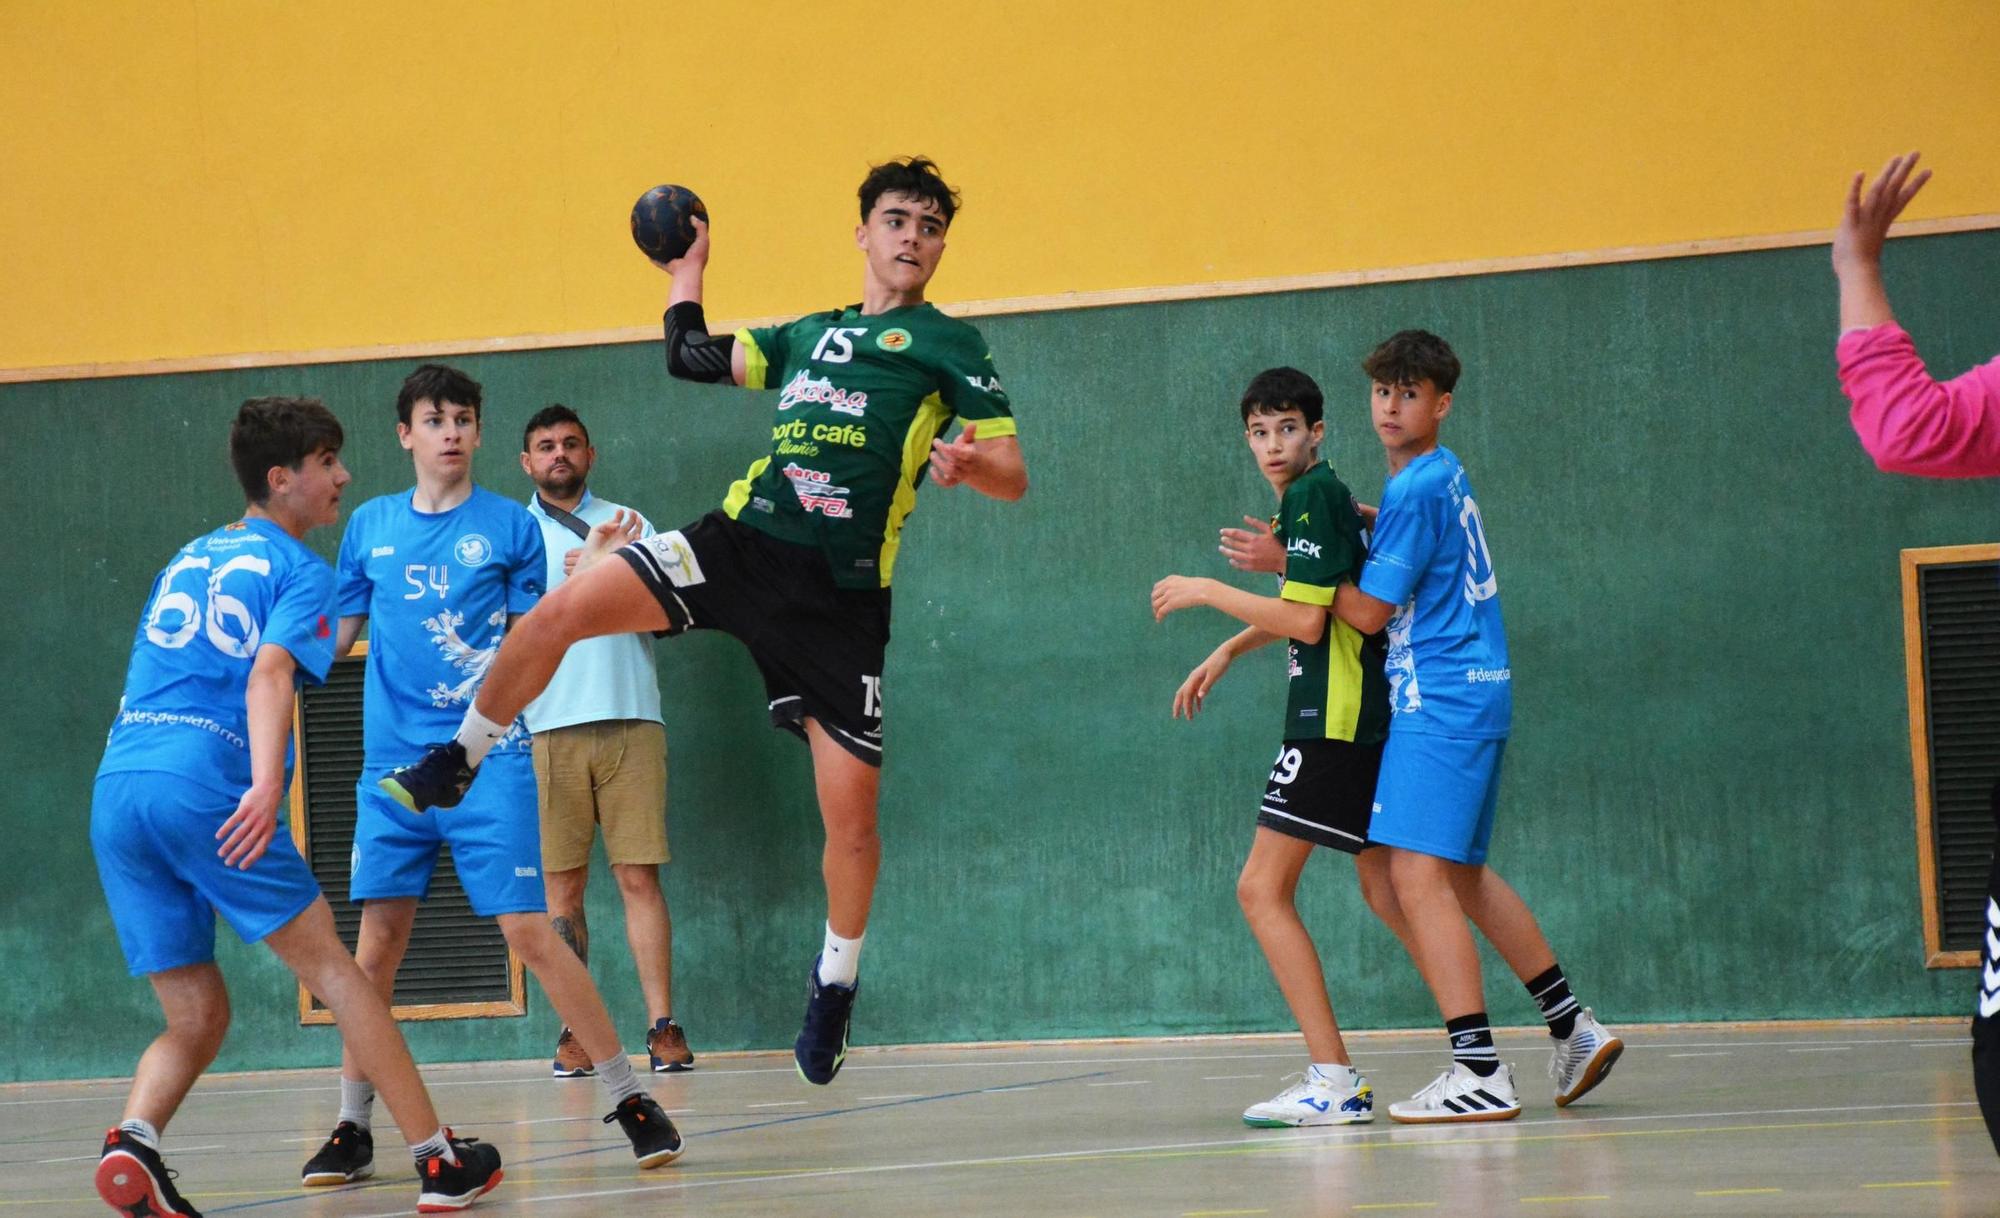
column 1316, row 1099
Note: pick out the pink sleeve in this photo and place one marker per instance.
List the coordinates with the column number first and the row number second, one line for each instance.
column 1911, row 423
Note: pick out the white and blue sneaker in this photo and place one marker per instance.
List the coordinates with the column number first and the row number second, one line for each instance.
column 1582, row 1059
column 1316, row 1099
column 1460, row 1095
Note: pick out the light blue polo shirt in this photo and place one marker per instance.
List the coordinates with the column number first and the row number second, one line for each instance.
column 610, row 677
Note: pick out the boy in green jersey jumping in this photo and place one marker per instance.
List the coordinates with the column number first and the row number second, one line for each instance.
column 1322, row 787
column 797, row 561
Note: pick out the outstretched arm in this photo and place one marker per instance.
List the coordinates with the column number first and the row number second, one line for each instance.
column 1270, row 614
column 692, row 353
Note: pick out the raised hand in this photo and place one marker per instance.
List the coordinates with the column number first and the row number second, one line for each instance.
column 1867, row 215
column 1254, row 548
column 696, row 258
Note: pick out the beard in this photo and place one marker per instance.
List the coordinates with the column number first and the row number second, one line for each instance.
column 562, row 485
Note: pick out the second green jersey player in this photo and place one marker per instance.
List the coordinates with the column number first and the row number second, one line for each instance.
column 797, row 561
column 1322, row 786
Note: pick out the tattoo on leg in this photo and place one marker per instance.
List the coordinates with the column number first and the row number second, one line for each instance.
column 575, row 933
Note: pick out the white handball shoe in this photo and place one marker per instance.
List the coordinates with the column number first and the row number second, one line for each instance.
column 1583, row 1058
column 1316, row 1100
column 1460, row 1095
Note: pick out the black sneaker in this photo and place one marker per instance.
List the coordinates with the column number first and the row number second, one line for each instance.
column 445, row 1186
column 655, row 1141
column 133, row 1181
column 348, row 1155
column 438, row 781
column 822, row 1042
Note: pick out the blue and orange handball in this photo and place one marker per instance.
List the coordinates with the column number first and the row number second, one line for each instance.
column 663, row 221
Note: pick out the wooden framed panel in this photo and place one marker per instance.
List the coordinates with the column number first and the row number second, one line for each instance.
column 459, row 966
column 1951, row 655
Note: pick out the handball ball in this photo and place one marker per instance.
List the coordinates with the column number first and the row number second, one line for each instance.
column 663, row 221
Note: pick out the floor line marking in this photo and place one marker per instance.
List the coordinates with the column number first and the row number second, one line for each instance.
column 119, row 1086
column 1220, row 1213
column 1556, row 1200
column 597, row 1150
column 1345, row 1139
column 1397, row 1205
column 1723, row 1054
column 870, row 1099
column 1216, row 1078
column 1133, row 1082
column 1822, row 1049
column 1910, row 1184
column 779, row 1104
column 1736, row 1192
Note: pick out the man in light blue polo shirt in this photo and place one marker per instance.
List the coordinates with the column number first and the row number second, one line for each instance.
column 600, row 751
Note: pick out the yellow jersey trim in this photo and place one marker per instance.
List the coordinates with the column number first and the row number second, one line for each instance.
column 1306, row 594
column 1343, row 681
column 739, row 490
column 932, row 417
column 992, row 429
column 756, row 368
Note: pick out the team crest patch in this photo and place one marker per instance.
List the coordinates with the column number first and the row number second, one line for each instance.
column 238, row 527
column 472, row 550
column 674, row 557
column 895, row 339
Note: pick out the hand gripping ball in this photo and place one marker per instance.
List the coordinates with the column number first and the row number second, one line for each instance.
column 663, row 221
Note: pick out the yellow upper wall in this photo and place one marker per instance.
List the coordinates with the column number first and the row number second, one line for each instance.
column 214, row 177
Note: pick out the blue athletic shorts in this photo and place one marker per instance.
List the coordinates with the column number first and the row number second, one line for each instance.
column 1436, row 795
column 154, row 837
column 495, row 835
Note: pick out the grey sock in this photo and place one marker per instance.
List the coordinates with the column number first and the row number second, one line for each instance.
column 141, row 1132
column 619, row 1081
column 356, row 1099
column 436, row 1144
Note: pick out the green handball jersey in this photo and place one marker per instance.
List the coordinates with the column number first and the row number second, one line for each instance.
column 860, row 398
column 1338, row 691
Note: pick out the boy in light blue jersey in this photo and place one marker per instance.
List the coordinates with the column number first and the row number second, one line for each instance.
column 437, row 571
column 1429, row 577
column 199, row 753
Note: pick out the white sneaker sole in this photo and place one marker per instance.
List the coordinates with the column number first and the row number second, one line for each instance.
column 1430, row 1116
column 1594, row 1070
column 1311, row 1122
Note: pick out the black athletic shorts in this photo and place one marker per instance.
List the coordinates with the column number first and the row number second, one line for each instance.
column 819, row 646
column 1323, row 792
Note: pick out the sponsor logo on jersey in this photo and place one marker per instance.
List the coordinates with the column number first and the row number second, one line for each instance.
column 1477, row 676
column 382, row 552
column 987, row 384
column 1300, row 545
column 238, row 526
column 323, row 630
column 897, row 339
column 675, row 557
column 472, row 550
column 524, row 872
column 807, row 388
column 817, row 493
column 801, row 439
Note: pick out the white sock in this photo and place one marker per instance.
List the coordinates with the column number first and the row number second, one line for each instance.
column 479, row 734
column 1335, row 1073
column 141, row 1132
column 619, row 1081
column 356, row 1099
column 436, row 1144
column 840, row 959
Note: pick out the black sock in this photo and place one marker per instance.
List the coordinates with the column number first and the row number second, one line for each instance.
column 1551, row 993
column 1472, row 1044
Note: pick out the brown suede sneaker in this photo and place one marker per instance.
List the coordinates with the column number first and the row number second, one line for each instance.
column 571, row 1061
column 668, row 1047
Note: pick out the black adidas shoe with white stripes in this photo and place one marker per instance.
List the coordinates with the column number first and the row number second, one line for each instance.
column 1460, row 1095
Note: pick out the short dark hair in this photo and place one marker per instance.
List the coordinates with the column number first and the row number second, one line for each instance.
column 1409, row 356
column 1279, row 389
column 549, row 416
column 915, row 176
column 269, row 432
column 437, row 383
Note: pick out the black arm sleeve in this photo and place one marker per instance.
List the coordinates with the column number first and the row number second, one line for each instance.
column 691, row 354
